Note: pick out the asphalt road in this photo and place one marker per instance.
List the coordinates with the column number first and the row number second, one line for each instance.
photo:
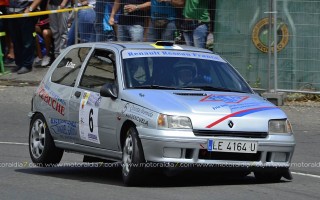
column 20, row 179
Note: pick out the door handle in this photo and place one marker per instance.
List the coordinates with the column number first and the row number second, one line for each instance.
column 77, row 94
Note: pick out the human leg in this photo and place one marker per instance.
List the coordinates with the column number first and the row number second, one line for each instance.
column 59, row 28
column 188, row 37
column 16, row 40
column 63, row 30
column 71, row 34
column 47, row 36
column 28, row 41
column 136, row 33
column 54, row 26
column 2, row 36
column 37, row 61
column 168, row 32
column 200, row 36
column 151, row 33
column 123, row 34
column 22, row 34
column 86, row 19
column 98, row 25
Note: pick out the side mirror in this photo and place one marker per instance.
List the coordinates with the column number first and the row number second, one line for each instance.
column 109, row 90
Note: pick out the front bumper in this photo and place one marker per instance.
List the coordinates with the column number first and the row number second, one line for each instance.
column 183, row 147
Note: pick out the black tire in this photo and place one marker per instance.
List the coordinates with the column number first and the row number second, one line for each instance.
column 132, row 159
column 42, row 150
column 268, row 177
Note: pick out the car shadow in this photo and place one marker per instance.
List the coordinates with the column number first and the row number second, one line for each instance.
column 152, row 178
column 102, row 175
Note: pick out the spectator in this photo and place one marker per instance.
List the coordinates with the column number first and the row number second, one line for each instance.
column 58, row 24
column 195, row 24
column 21, row 32
column 104, row 31
column 43, row 33
column 86, row 19
column 3, row 5
column 178, row 35
column 162, row 25
column 8, row 57
column 132, row 19
column 212, row 12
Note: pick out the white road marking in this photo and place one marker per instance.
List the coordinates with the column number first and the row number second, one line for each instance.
column 296, row 173
column 16, row 143
column 304, row 174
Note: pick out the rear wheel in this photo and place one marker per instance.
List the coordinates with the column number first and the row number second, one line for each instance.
column 132, row 158
column 42, row 150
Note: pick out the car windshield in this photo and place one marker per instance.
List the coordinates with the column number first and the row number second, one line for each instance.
column 180, row 70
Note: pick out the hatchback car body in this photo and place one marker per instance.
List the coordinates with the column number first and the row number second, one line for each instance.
column 158, row 102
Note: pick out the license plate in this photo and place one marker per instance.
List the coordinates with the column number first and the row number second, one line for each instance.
column 232, row 146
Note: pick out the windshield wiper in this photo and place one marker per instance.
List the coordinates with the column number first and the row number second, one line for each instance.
column 154, row 87
column 210, row 88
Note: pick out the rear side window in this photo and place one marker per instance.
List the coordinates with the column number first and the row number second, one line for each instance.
column 67, row 70
column 99, row 71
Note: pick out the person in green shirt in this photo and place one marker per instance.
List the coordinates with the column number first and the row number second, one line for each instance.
column 196, row 21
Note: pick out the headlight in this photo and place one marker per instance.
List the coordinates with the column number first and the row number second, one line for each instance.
column 281, row 126
column 176, row 122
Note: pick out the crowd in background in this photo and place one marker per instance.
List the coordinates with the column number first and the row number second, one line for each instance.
column 187, row 22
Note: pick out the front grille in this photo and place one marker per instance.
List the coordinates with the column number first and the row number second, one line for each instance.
column 230, row 133
column 211, row 155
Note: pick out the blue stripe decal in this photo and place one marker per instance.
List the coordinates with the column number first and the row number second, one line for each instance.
column 253, row 111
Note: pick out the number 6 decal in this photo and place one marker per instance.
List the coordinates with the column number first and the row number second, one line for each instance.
column 88, row 117
column 91, row 120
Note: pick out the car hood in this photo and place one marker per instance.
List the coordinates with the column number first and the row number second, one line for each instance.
column 208, row 109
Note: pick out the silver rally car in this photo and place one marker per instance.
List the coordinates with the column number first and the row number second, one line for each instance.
column 159, row 103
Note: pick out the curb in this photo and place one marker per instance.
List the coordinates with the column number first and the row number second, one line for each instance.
column 18, row 83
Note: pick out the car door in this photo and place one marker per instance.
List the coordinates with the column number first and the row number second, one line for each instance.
column 56, row 93
column 96, row 114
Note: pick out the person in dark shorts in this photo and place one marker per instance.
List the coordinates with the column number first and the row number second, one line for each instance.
column 21, row 32
column 44, row 38
column 131, row 20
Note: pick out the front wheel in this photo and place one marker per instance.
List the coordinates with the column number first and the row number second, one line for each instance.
column 42, row 150
column 132, row 158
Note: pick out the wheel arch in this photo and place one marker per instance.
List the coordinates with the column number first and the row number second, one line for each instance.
column 125, row 126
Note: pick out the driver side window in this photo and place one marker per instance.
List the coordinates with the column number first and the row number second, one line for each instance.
column 99, row 71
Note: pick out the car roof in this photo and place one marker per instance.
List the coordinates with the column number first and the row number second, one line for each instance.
column 147, row 45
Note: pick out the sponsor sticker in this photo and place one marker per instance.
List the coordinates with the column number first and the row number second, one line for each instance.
column 66, row 129
column 170, row 53
column 54, row 103
column 88, row 117
column 137, row 113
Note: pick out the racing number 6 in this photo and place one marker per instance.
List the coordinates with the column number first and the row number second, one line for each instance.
column 91, row 120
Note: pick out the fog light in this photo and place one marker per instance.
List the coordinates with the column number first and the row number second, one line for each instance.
column 172, row 152
column 280, row 157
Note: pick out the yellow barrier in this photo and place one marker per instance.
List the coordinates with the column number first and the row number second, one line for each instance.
column 31, row 14
column 47, row 12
